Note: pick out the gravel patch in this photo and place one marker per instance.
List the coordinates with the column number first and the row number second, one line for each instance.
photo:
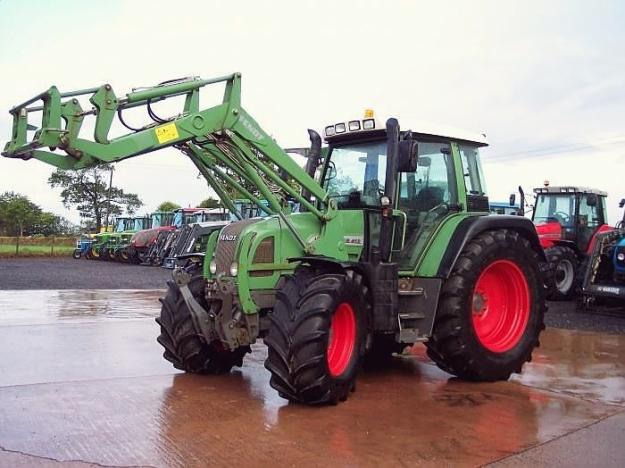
column 67, row 273
column 571, row 316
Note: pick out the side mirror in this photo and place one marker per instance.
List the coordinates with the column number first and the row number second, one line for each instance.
column 408, row 156
column 592, row 199
column 621, row 203
column 512, row 199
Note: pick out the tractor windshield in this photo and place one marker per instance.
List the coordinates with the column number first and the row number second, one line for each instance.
column 555, row 207
column 355, row 174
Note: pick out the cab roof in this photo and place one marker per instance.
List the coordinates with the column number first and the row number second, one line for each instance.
column 570, row 189
column 415, row 126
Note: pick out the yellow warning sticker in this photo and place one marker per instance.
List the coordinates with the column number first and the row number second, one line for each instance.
column 166, row 133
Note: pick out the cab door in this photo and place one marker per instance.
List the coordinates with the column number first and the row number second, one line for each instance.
column 426, row 196
column 590, row 218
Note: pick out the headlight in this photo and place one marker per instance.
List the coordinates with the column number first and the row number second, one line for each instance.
column 340, row 128
column 368, row 124
column 330, row 130
column 621, row 257
column 234, row 269
column 354, row 125
column 212, row 267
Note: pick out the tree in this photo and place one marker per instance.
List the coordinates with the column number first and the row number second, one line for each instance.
column 87, row 189
column 50, row 224
column 167, row 206
column 18, row 214
column 210, row 203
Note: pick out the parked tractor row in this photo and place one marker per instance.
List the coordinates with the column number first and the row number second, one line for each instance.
column 157, row 239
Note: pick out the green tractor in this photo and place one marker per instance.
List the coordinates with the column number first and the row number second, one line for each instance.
column 392, row 243
column 105, row 243
column 119, row 248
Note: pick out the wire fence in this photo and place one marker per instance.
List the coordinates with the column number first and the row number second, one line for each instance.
column 32, row 246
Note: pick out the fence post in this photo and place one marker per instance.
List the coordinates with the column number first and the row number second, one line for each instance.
column 52, row 247
column 17, row 245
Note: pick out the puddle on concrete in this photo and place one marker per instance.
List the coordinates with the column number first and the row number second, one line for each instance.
column 583, row 364
column 51, row 306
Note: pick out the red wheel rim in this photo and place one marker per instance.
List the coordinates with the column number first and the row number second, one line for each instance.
column 501, row 306
column 342, row 339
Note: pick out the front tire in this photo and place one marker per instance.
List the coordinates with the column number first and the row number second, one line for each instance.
column 94, row 253
column 184, row 347
column 491, row 309
column 564, row 263
column 317, row 336
column 77, row 254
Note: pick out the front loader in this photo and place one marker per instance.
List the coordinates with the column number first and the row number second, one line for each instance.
column 392, row 244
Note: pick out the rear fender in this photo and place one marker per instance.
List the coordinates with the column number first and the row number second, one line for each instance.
column 474, row 225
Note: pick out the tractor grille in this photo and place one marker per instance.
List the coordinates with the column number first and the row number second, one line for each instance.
column 264, row 254
column 227, row 244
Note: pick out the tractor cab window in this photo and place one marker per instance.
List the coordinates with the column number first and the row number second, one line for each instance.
column 590, row 218
column 355, row 174
column 472, row 170
column 425, row 196
column 555, row 207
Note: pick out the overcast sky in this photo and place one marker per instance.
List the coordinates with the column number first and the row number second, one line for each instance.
column 544, row 80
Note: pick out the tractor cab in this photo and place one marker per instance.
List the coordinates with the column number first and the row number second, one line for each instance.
column 124, row 223
column 571, row 215
column 184, row 216
column 162, row 219
column 438, row 172
column 141, row 222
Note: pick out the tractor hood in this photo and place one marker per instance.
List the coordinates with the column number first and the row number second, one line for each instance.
column 148, row 236
column 548, row 233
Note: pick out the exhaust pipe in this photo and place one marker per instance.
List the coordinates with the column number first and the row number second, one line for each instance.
column 313, row 158
column 390, row 184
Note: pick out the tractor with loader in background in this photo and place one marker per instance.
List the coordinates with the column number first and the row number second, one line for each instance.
column 392, row 243
column 603, row 280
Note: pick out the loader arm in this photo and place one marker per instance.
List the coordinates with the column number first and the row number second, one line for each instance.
column 219, row 140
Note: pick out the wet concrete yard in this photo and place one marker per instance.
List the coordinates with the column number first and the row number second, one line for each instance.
column 82, row 380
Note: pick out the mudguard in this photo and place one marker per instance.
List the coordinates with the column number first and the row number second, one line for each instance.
column 474, row 225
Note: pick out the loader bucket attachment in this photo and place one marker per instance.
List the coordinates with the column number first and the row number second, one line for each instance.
column 62, row 118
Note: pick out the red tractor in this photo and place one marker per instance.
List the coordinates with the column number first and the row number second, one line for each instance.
column 567, row 220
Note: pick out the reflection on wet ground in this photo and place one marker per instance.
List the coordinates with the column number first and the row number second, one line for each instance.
column 99, row 391
column 582, row 364
column 46, row 306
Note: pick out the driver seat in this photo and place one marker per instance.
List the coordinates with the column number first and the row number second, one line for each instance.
column 428, row 198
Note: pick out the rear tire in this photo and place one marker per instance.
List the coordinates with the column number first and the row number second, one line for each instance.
column 184, row 347
column 491, row 309
column 317, row 336
column 564, row 263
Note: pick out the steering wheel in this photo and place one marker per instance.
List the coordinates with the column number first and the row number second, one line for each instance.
column 561, row 215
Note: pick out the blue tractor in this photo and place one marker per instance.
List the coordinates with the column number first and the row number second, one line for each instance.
column 604, row 276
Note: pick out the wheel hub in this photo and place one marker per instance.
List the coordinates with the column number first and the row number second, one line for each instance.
column 479, row 303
